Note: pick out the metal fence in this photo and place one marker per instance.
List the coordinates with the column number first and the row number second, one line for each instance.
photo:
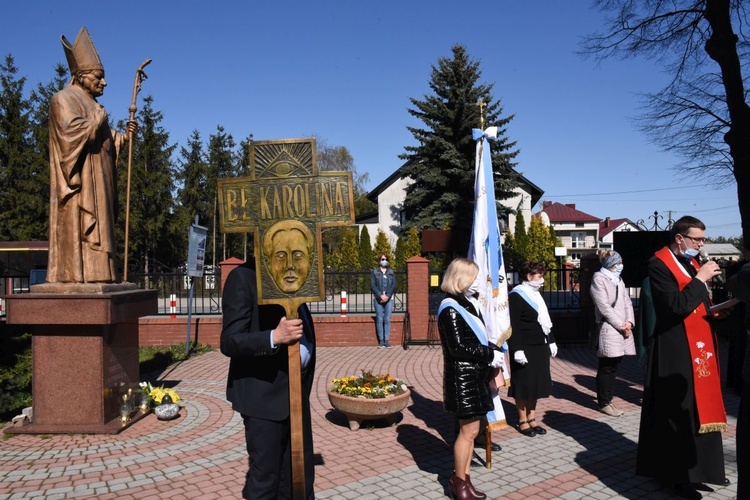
column 207, row 292
column 176, row 287
column 356, row 284
column 15, row 284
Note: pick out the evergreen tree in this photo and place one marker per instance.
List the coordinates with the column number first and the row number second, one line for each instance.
column 151, row 245
column 191, row 173
column 413, row 246
column 382, row 245
column 442, row 164
column 540, row 246
column 242, row 244
column 349, row 259
column 243, row 157
column 406, row 248
column 18, row 219
column 514, row 246
column 399, row 256
column 221, row 164
column 365, row 253
column 520, row 239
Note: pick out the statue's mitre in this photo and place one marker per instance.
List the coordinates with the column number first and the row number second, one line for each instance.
column 82, row 55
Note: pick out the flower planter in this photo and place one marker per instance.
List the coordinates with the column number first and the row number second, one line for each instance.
column 358, row 410
column 167, row 411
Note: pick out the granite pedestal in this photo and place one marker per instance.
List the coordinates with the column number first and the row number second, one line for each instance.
column 84, row 354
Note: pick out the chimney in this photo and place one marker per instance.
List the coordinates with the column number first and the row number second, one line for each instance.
column 571, row 205
column 606, row 222
column 546, row 204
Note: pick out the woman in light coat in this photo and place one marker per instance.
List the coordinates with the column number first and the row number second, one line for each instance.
column 614, row 314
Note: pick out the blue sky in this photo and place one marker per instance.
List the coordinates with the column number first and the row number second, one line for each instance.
column 344, row 71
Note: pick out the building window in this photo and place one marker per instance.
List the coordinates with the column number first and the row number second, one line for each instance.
column 579, row 224
column 578, row 240
column 575, row 256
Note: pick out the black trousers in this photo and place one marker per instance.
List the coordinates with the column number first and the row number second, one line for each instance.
column 269, row 475
column 743, row 445
column 605, row 379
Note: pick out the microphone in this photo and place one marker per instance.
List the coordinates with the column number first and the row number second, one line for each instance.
column 703, row 258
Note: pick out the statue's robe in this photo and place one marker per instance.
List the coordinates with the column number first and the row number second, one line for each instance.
column 83, row 196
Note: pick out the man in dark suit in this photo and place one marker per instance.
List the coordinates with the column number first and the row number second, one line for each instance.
column 256, row 339
column 739, row 285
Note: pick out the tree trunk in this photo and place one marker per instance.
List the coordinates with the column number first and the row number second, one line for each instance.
column 722, row 48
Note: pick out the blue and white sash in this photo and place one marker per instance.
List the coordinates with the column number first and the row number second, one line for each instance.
column 470, row 319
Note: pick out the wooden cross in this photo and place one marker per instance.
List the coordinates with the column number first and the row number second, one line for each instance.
column 286, row 202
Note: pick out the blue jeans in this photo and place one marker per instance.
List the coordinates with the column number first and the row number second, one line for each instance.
column 383, row 319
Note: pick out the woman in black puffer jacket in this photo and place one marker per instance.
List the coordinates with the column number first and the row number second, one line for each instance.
column 467, row 372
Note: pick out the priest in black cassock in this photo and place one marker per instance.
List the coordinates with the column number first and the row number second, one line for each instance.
column 679, row 442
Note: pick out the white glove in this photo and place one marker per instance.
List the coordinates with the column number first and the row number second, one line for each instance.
column 520, row 357
column 498, row 360
column 553, row 349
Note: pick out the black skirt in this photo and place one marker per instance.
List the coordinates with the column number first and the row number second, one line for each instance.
column 533, row 380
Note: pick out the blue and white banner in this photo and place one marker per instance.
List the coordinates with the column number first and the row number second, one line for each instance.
column 485, row 248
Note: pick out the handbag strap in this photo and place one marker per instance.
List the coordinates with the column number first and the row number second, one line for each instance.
column 617, row 292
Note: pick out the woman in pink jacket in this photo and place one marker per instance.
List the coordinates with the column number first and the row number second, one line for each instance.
column 614, row 314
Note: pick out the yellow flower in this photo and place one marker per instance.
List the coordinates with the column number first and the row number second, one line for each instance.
column 158, row 393
column 368, row 385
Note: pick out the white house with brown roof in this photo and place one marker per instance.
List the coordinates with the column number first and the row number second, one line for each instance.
column 389, row 196
column 578, row 230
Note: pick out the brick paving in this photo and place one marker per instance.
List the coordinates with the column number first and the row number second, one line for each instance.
column 201, row 454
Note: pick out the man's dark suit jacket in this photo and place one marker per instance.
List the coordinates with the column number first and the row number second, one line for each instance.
column 258, row 381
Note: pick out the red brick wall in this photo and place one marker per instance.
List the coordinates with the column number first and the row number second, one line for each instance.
column 161, row 331
column 330, row 331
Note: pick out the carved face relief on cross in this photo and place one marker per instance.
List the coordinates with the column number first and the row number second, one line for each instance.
column 285, row 202
column 288, row 250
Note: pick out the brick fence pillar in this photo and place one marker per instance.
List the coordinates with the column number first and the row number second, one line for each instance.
column 417, row 273
column 227, row 266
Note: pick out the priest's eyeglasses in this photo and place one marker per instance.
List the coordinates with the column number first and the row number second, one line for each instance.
column 695, row 240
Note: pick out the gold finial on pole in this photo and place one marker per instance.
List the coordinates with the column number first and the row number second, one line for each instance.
column 481, row 105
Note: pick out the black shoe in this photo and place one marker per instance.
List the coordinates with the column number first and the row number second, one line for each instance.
column 530, row 431
column 702, row 487
column 685, row 490
column 493, row 446
column 537, row 429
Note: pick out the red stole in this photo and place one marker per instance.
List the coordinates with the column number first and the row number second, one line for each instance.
column 706, row 378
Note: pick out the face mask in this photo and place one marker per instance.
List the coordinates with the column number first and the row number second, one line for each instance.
column 536, row 285
column 473, row 288
column 689, row 252
column 384, row 263
column 618, row 269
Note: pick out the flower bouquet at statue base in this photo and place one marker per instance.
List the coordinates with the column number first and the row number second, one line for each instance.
column 163, row 400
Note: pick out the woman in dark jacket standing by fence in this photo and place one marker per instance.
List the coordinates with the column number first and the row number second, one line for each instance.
column 383, row 284
column 467, row 372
